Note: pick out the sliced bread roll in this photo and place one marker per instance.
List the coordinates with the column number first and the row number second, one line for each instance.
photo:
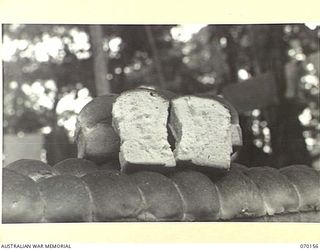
column 115, row 196
column 95, row 137
column 278, row 194
column 75, row 166
column 239, row 196
column 202, row 129
column 66, row 198
column 199, row 196
column 34, row 169
column 307, row 184
column 162, row 201
column 140, row 119
column 21, row 201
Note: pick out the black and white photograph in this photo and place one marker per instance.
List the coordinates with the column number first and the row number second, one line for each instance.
column 161, row 123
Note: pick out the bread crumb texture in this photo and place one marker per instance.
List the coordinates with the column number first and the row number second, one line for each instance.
column 140, row 119
column 202, row 129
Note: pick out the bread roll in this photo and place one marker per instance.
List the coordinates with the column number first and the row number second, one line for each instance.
column 140, row 118
column 162, row 201
column 75, row 166
column 307, row 184
column 199, row 196
column 21, row 200
column 115, row 196
column 95, row 137
column 34, row 169
column 202, row 129
column 67, row 199
column 239, row 196
column 277, row 192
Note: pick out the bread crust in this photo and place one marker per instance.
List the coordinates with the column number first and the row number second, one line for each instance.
column 278, row 193
column 109, row 195
column 75, row 166
column 66, row 198
column 239, row 196
column 199, row 195
column 162, row 201
column 96, row 140
column 115, row 197
column 304, row 179
column 34, row 169
column 21, row 200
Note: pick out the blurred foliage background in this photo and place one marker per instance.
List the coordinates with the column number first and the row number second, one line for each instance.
column 52, row 71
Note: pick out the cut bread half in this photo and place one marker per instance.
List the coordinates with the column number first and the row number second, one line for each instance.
column 140, row 119
column 202, row 130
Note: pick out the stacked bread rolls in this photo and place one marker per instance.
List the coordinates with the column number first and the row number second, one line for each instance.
column 101, row 194
column 158, row 129
column 95, row 136
column 149, row 155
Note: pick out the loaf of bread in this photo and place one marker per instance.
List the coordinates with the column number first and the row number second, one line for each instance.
column 133, row 127
column 241, row 194
column 95, row 137
column 140, row 119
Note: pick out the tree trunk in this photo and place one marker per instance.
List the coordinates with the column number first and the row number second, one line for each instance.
column 155, row 55
column 100, row 61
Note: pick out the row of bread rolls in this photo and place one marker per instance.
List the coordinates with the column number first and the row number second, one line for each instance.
column 157, row 128
column 77, row 190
